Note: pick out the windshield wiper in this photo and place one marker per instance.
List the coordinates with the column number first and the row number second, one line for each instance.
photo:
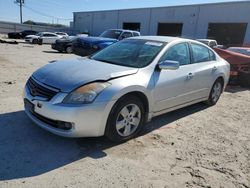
column 105, row 61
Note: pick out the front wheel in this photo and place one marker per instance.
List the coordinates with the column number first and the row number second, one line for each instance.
column 69, row 49
column 125, row 120
column 215, row 93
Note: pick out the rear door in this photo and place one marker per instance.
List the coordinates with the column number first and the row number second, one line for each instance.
column 45, row 38
column 204, row 67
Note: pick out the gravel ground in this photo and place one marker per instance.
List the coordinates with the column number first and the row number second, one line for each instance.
column 196, row 146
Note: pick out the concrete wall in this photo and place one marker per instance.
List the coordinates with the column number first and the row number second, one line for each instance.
column 142, row 16
column 6, row 27
column 195, row 18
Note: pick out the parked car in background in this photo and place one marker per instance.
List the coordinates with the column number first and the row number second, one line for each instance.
column 63, row 45
column 119, row 34
column 211, row 43
column 43, row 38
column 118, row 89
column 241, row 50
column 63, row 34
column 21, row 35
column 85, row 46
column 240, row 64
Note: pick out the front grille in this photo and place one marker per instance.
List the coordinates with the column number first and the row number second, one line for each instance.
column 36, row 89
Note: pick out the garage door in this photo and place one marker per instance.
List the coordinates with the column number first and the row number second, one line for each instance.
column 229, row 34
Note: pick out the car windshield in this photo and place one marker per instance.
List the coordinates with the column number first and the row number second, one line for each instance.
column 131, row 53
column 39, row 34
column 114, row 34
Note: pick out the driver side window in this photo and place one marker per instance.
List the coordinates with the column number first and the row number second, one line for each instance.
column 178, row 52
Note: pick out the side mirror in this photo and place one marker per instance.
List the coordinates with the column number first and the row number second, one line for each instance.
column 169, row 65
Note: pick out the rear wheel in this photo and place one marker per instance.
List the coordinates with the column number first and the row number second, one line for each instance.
column 125, row 120
column 215, row 92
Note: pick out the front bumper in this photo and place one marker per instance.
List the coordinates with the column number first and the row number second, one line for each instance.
column 29, row 40
column 57, row 47
column 88, row 120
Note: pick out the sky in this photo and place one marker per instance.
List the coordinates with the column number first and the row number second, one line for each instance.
column 61, row 11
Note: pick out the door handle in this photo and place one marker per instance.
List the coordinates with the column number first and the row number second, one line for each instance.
column 190, row 76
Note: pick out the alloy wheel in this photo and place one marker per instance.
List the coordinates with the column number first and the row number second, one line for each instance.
column 216, row 92
column 128, row 120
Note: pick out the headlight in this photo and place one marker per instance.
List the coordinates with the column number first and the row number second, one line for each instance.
column 86, row 93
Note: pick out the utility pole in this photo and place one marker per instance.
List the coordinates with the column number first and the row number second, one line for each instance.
column 21, row 12
column 20, row 2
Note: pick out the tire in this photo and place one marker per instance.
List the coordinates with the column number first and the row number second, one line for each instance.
column 215, row 92
column 69, row 49
column 125, row 120
column 40, row 41
column 34, row 41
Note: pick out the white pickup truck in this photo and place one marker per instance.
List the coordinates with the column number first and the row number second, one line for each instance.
column 210, row 42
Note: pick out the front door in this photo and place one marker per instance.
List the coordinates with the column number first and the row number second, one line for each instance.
column 172, row 87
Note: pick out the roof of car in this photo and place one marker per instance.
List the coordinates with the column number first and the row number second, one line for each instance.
column 124, row 30
column 47, row 32
column 158, row 38
column 61, row 32
column 209, row 40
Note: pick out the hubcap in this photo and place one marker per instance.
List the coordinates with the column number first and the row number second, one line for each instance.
column 128, row 120
column 216, row 91
column 69, row 50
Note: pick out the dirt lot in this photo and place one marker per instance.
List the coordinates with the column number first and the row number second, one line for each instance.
column 193, row 147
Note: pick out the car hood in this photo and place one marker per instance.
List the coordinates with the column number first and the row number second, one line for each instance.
column 97, row 40
column 67, row 75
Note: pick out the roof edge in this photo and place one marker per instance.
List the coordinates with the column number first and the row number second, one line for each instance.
column 172, row 6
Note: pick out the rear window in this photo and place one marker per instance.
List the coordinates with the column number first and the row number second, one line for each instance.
column 136, row 34
column 201, row 53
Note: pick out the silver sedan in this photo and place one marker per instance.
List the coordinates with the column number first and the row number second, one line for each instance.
column 117, row 90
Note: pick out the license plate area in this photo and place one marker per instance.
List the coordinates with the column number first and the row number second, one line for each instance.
column 29, row 106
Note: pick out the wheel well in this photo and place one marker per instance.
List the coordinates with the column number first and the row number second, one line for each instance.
column 141, row 96
column 221, row 79
column 66, row 47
